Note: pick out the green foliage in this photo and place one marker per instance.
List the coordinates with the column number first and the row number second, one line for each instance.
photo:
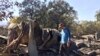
column 97, row 25
column 4, row 6
column 48, row 14
column 86, row 27
column 98, row 15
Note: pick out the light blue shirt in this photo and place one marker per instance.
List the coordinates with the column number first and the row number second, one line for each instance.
column 65, row 35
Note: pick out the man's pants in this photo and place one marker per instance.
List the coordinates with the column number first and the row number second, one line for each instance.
column 64, row 50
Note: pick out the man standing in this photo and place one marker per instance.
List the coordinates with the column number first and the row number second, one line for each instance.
column 65, row 38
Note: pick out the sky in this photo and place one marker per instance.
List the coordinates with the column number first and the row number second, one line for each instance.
column 86, row 9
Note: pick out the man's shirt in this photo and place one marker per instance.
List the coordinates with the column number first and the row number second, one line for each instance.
column 65, row 35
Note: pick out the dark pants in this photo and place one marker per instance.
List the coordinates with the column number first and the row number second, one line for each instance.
column 64, row 50
column 67, row 50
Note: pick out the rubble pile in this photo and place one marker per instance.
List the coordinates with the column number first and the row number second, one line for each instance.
column 88, row 49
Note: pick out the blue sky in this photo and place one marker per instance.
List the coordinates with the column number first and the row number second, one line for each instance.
column 86, row 9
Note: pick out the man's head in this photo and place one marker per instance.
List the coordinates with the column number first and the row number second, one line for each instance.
column 61, row 25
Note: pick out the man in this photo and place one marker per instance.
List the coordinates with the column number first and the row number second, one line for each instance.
column 65, row 38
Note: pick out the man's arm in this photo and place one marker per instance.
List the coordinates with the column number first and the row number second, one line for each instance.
column 69, row 34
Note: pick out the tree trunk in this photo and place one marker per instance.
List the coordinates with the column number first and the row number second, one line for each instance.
column 32, row 48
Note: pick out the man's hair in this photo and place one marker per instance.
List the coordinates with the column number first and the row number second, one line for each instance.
column 62, row 24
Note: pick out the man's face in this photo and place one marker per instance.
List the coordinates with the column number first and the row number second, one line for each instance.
column 60, row 26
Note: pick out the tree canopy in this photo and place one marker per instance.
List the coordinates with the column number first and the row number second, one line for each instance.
column 98, row 15
column 4, row 9
column 49, row 14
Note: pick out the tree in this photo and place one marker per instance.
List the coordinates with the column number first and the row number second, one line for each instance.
column 48, row 14
column 88, row 27
column 98, row 15
column 97, row 25
column 4, row 6
column 61, row 11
